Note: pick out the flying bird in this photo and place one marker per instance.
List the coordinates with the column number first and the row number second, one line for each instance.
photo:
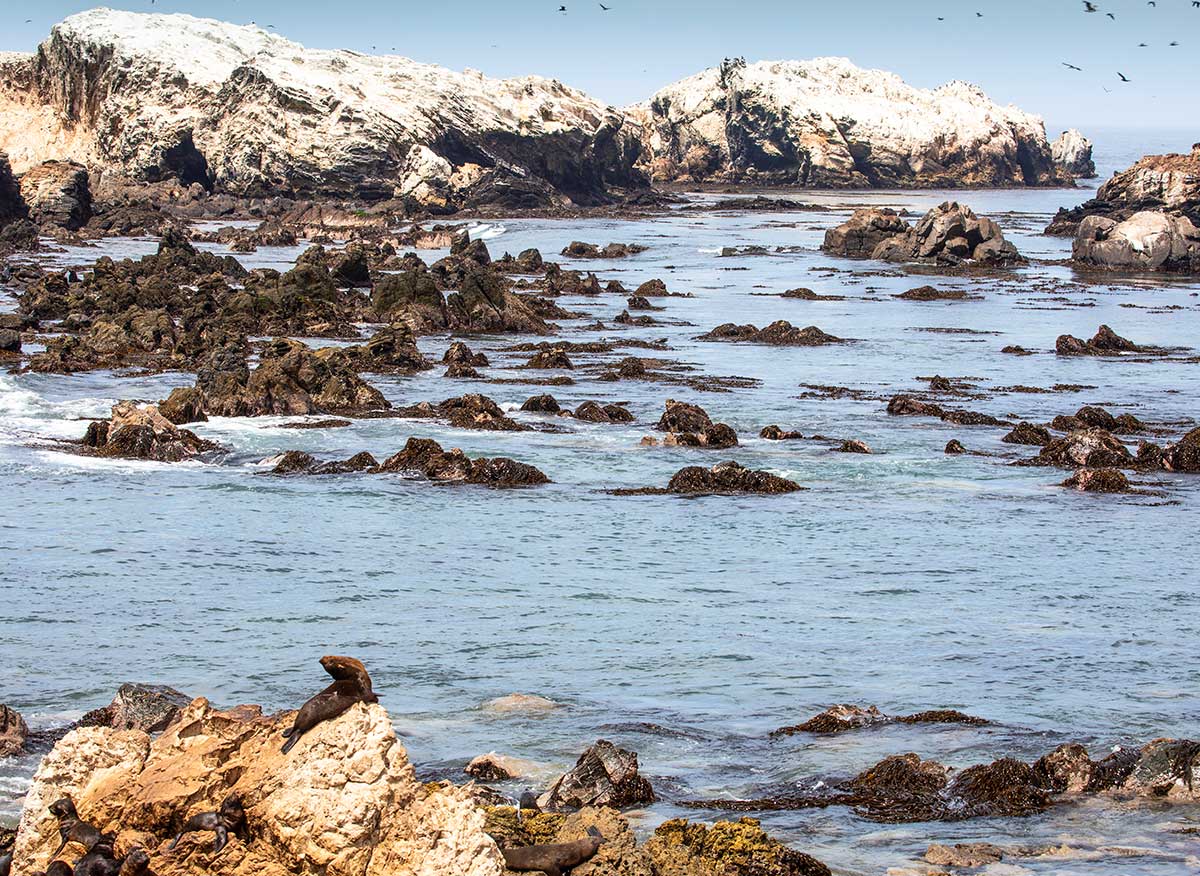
column 1142, row 45
column 1089, row 7
column 606, row 8
column 1072, row 66
column 562, row 9
column 1122, row 75
column 1110, row 15
column 979, row 15
column 1172, row 44
column 1151, row 3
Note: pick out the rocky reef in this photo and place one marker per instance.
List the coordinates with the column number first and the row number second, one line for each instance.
column 826, row 122
column 949, row 235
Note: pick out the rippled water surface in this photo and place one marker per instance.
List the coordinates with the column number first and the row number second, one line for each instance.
column 907, row 578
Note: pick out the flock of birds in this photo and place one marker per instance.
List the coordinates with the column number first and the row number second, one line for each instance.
column 1090, row 7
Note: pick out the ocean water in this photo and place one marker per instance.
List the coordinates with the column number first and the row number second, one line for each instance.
column 906, row 579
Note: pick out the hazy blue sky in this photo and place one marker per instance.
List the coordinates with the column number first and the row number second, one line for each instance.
column 1015, row 52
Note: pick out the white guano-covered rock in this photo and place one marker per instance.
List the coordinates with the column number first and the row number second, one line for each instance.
column 1073, row 153
column 826, row 122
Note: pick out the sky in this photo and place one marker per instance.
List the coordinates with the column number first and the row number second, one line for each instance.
column 1015, row 51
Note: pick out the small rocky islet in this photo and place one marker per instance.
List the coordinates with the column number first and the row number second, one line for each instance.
column 388, row 283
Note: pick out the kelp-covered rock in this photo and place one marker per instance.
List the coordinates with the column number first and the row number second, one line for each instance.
column 1086, row 448
column 299, row 462
column 1028, row 433
column 689, row 425
column 1184, row 454
column 723, row 479
column 391, row 350
column 1166, row 769
column 726, row 848
column 470, row 411
column 1105, row 342
column 1098, row 480
column 134, row 432
column 348, row 802
column 780, row 333
column 427, row 458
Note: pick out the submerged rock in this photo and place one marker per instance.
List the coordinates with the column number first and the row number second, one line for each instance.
column 604, row 775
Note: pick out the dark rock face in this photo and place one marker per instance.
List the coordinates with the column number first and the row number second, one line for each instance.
column 1086, row 448
column 954, row 447
column 470, row 411
column 427, row 458
column 594, row 412
column 604, row 775
column 858, row 236
column 908, row 406
column 58, row 194
column 459, row 353
column 775, row 433
column 150, row 708
column 1106, row 342
column 12, row 205
column 391, row 350
column 290, row 379
column 1146, row 241
column 853, row 445
column 950, row 234
column 299, row 462
column 549, row 360
column 184, row 405
column 780, row 333
column 579, row 250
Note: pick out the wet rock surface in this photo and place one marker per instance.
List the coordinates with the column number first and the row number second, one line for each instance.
column 427, row 458
column 950, row 234
column 780, row 333
column 143, row 433
column 604, row 775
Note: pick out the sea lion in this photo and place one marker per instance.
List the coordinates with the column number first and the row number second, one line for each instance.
column 351, row 685
column 72, row 828
column 5, row 864
column 231, row 817
column 136, row 863
column 554, row 859
column 100, row 859
column 59, row 868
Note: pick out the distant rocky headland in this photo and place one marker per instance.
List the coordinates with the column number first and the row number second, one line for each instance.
column 183, row 108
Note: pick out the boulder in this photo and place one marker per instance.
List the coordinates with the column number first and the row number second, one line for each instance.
column 853, row 445
column 184, row 405
column 1098, row 480
column 391, row 350
column 299, row 462
column 58, row 194
column 1072, row 153
column 604, row 775
column 950, row 234
column 594, row 412
column 1184, row 454
column 1146, row 241
column 728, row 478
column 542, row 404
column 1028, row 433
column 1166, row 769
column 459, row 353
column 775, row 433
column 837, row 719
column 135, row 432
column 349, row 803
column 150, row 708
column 13, row 731
column 931, row 293
column 493, row 767
column 549, row 360
column 1066, row 770
column 858, row 236
column 689, row 426
column 579, row 250
column 954, row 447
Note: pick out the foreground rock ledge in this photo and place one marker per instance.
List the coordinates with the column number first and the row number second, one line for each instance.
column 346, row 800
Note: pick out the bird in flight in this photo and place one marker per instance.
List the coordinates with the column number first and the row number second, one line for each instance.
column 1089, row 7
column 1122, row 75
column 606, row 8
column 1142, row 45
column 1072, row 67
column 979, row 15
column 1110, row 15
column 1172, row 43
column 1151, row 3
column 562, row 9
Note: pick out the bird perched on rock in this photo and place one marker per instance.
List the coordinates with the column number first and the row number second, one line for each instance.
column 351, row 685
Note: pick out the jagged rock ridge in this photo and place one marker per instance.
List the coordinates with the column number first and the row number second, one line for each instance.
column 826, row 122
column 242, row 110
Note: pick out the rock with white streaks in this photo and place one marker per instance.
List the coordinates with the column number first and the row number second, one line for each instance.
column 241, row 110
column 826, row 122
column 1073, row 153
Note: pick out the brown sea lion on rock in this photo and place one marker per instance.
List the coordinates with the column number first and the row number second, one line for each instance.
column 59, row 868
column 136, row 863
column 351, row 685
column 230, row 817
column 99, row 861
column 72, row 828
column 556, row 858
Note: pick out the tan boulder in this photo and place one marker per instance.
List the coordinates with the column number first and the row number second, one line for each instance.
column 344, row 802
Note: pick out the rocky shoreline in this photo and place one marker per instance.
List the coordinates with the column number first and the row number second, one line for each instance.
column 350, row 800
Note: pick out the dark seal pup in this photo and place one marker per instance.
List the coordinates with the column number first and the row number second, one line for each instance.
column 230, row 818
column 72, row 828
column 59, row 868
column 136, row 863
column 100, row 860
column 351, row 685
column 555, row 859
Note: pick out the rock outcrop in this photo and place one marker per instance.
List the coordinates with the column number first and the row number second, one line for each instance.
column 1169, row 183
column 723, row 479
column 426, row 457
column 780, row 333
column 134, row 432
column 950, row 234
column 826, row 122
column 147, row 707
column 1105, row 342
column 350, row 805
column 1149, row 240
column 13, row 731
column 58, row 194
column 12, row 204
column 241, row 110
column 858, row 236
column 1072, row 153
column 604, row 775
